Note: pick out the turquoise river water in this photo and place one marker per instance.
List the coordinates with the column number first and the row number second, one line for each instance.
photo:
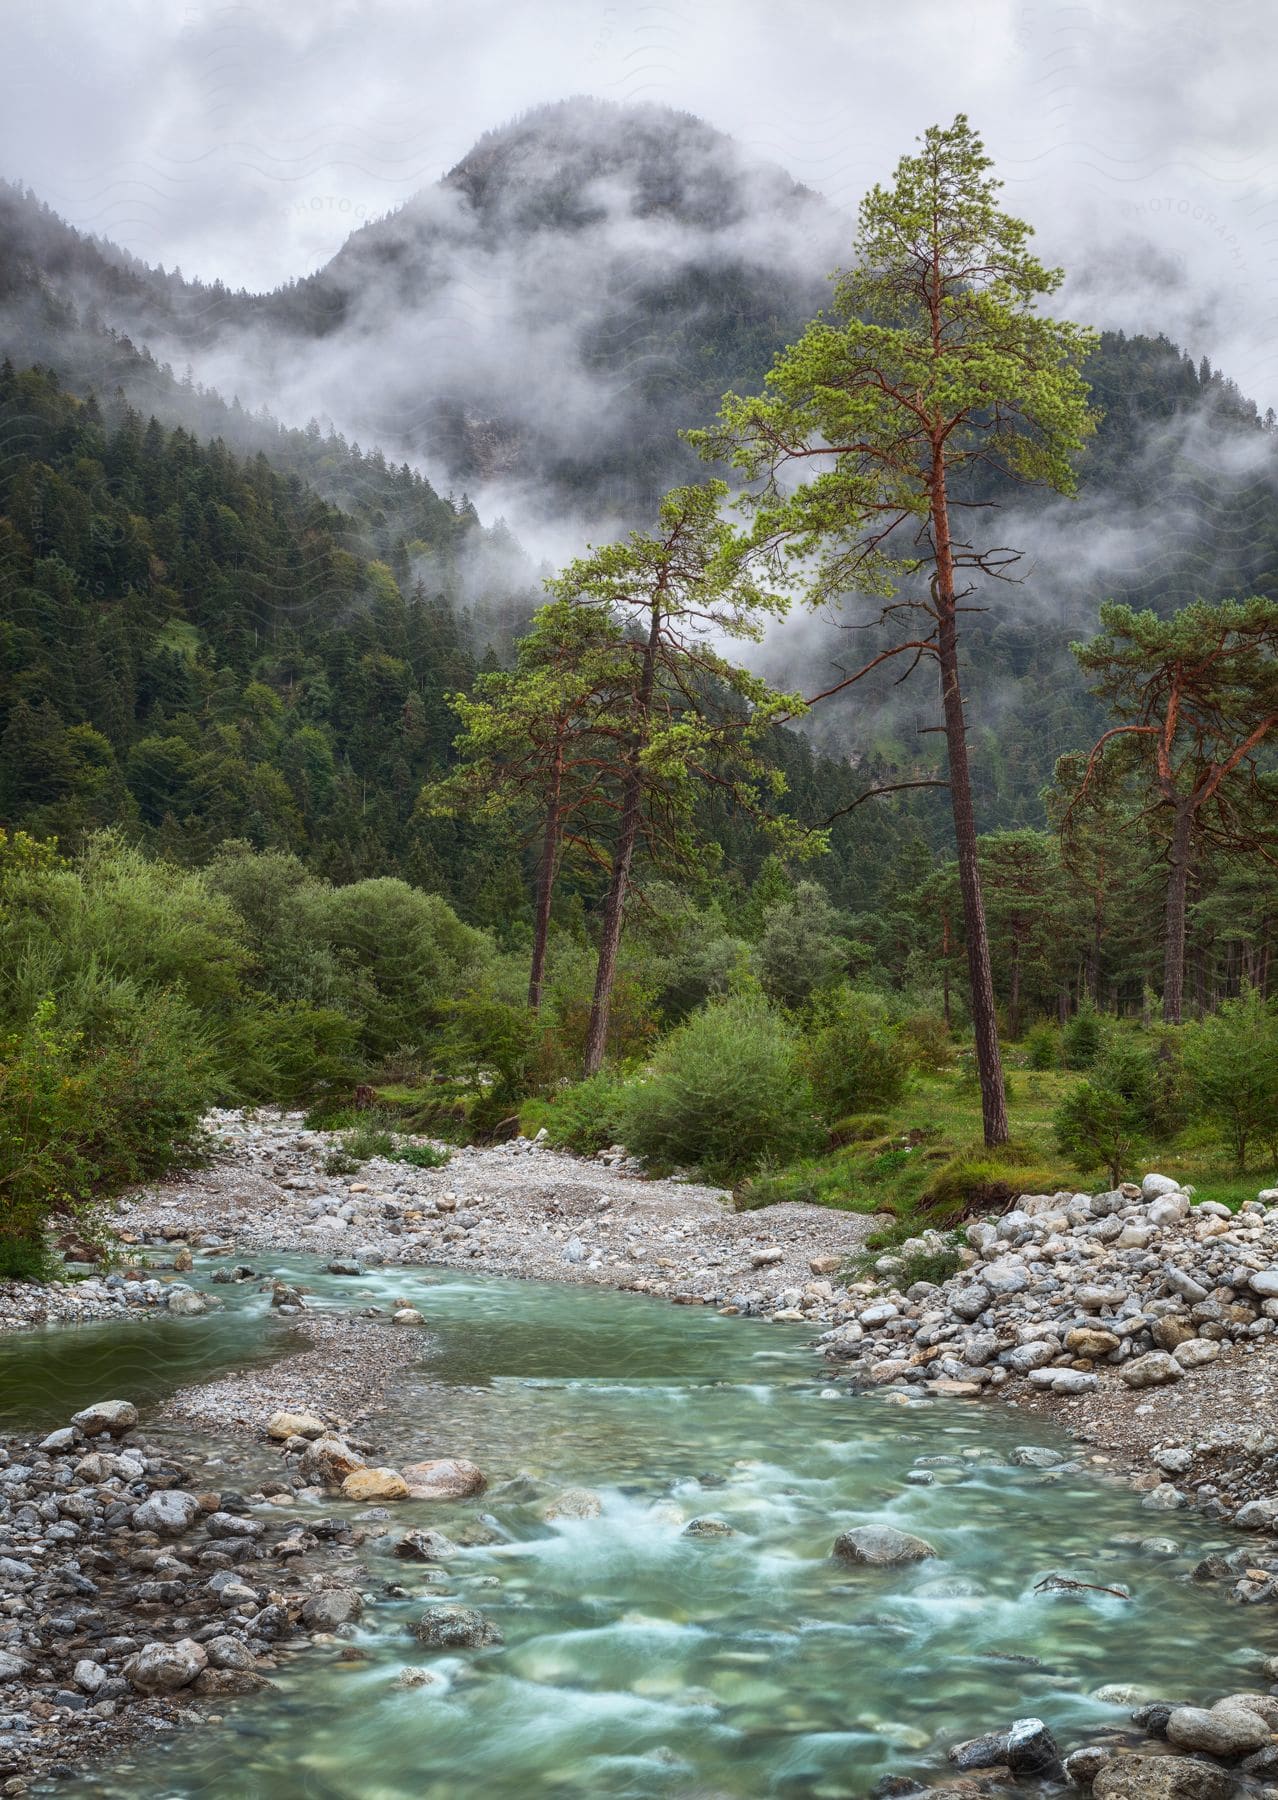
column 640, row 1662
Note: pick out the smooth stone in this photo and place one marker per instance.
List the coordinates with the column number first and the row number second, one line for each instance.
column 881, row 1546
column 444, row 1478
column 110, row 1417
column 1140, row 1777
column 375, row 1484
column 332, row 1607
column 1225, row 1731
column 1156, row 1369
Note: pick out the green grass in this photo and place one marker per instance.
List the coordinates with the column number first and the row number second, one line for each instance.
column 928, row 1167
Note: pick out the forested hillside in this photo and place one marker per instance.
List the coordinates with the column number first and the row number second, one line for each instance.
column 232, row 644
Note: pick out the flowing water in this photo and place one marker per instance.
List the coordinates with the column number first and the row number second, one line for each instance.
column 641, row 1662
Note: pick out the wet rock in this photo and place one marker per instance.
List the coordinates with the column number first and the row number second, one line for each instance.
column 232, row 1525
column 456, row 1628
column 1032, row 1752
column 573, row 1503
column 1156, row 1369
column 1222, row 1730
column 332, row 1607
column 186, row 1304
column 408, row 1315
column 375, row 1484
column 881, row 1546
column 171, row 1512
column 1257, row 1515
column 986, row 1752
column 110, row 1418
column 328, row 1461
column 229, row 1653
column 227, row 1684
column 1083, row 1766
column 1138, row 1777
column 1153, row 1718
column 164, row 1668
column 707, row 1527
column 444, row 1478
column 426, row 1546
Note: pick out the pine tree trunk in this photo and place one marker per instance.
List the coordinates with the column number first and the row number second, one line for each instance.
column 613, row 920
column 1014, row 999
column 989, row 1061
column 623, row 858
column 1174, row 916
column 546, row 879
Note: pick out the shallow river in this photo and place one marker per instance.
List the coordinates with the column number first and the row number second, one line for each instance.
column 639, row 1662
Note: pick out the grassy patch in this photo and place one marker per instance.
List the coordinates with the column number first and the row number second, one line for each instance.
column 925, row 1164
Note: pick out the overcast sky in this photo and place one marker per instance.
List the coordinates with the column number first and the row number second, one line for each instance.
column 247, row 140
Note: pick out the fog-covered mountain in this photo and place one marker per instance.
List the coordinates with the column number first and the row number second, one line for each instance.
column 538, row 326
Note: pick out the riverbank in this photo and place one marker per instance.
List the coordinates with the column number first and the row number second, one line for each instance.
column 528, row 1212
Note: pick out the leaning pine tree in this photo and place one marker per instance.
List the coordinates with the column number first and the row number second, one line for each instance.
column 687, row 719
column 934, row 377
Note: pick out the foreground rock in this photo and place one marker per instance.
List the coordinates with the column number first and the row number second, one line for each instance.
column 881, row 1546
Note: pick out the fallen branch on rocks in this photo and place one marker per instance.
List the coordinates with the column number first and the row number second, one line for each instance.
column 1065, row 1584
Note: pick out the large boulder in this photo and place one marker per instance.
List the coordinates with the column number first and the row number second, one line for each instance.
column 1154, row 1185
column 456, row 1628
column 444, row 1478
column 110, row 1418
column 1226, row 1729
column 170, row 1512
column 1162, row 1778
column 375, row 1484
column 881, row 1546
column 1157, row 1369
column 164, row 1668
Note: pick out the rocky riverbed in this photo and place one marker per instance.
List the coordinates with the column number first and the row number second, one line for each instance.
column 136, row 1581
column 138, row 1578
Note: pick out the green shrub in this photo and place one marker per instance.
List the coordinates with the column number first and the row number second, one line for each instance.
column 588, row 1116
column 287, row 1052
column 1231, row 1063
column 26, row 1258
column 928, row 1040
column 422, row 1156
column 1081, row 1039
column 80, row 1120
column 1105, row 1121
column 853, row 1056
column 1043, row 1047
column 725, row 1091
